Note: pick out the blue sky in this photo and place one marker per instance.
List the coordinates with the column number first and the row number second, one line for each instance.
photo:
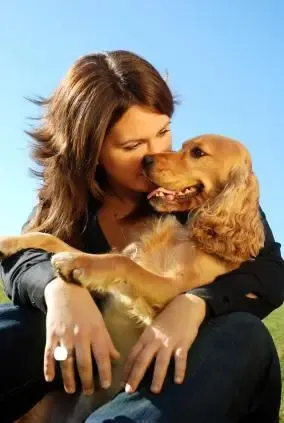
column 225, row 61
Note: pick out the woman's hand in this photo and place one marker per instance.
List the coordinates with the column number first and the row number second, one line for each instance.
column 171, row 333
column 74, row 320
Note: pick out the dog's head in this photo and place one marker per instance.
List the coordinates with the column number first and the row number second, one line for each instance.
column 199, row 171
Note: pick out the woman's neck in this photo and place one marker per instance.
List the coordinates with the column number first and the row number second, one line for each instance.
column 121, row 204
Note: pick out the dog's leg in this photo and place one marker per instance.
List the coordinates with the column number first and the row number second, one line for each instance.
column 102, row 272
column 12, row 244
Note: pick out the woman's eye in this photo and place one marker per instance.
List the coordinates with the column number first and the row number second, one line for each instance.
column 164, row 132
column 131, row 147
column 196, row 152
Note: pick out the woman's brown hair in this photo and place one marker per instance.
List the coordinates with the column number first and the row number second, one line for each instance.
column 96, row 92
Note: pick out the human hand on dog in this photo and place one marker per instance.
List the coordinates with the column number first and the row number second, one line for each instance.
column 74, row 320
column 171, row 334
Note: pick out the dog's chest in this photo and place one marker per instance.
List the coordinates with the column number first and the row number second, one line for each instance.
column 165, row 249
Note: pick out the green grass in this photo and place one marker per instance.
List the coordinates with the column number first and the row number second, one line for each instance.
column 274, row 322
column 3, row 298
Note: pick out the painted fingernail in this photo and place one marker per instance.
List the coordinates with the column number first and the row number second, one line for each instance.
column 128, row 389
column 105, row 384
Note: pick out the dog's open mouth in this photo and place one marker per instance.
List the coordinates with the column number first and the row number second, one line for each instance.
column 169, row 195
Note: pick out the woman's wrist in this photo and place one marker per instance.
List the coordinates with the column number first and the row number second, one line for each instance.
column 49, row 289
column 59, row 289
column 199, row 304
column 55, row 287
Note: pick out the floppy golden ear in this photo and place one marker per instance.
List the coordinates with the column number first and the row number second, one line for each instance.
column 230, row 225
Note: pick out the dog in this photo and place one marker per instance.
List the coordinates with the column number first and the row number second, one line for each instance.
column 212, row 179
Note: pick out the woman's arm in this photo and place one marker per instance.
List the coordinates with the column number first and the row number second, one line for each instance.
column 263, row 277
column 166, row 337
column 25, row 276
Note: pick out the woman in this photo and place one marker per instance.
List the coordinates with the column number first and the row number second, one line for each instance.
column 109, row 111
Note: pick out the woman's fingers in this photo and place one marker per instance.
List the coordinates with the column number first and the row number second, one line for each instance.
column 85, row 366
column 131, row 358
column 101, row 352
column 49, row 361
column 180, row 363
column 80, row 351
column 161, row 367
column 68, row 374
column 141, row 358
column 74, row 321
column 141, row 364
column 67, row 367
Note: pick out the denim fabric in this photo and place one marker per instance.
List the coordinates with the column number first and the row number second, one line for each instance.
column 233, row 375
column 22, row 341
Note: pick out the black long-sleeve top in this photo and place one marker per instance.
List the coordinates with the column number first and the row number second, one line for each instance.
column 27, row 273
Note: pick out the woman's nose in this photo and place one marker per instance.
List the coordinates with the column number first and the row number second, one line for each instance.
column 158, row 147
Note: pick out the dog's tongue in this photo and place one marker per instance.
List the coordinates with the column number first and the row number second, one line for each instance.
column 160, row 189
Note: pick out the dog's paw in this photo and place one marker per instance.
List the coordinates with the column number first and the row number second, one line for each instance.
column 66, row 266
column 9, row 245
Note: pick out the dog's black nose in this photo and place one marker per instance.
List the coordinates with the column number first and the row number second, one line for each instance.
column 147, row 162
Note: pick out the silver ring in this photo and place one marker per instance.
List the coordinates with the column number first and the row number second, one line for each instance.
column 60, row 353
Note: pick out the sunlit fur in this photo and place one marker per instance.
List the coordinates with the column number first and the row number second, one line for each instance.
column 225, row 219
column 229, row 225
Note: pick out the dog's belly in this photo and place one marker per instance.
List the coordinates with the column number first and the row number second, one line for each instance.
column 123, row 329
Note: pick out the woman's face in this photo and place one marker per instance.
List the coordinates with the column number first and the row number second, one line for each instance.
column 139, row 132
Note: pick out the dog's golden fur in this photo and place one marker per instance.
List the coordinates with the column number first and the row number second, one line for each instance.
column 223, row 230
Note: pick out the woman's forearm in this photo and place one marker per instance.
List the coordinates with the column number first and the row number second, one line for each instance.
column 25, row 276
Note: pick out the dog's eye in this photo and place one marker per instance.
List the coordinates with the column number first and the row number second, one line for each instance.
column 196, row 152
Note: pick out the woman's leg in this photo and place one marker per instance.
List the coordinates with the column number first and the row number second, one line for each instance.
column 233, row 375
column 22, row 341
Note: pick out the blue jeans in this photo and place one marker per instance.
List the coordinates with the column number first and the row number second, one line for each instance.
column 233, row 375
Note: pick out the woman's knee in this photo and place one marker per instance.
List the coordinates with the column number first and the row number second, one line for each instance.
column 236, row 341
column 232, row 365
column 243, row 330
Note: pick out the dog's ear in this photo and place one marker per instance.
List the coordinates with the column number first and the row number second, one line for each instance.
column 230, row 225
